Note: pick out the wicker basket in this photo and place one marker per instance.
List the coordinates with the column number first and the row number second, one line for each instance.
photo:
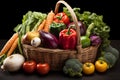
column 57, row 57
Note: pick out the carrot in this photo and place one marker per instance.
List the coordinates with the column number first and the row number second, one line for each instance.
column 13, row 47
column 9, row 44
column 41, row 26
column 49, row 20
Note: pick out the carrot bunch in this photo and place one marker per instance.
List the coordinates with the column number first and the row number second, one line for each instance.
column 46, row 23
column 10, row 45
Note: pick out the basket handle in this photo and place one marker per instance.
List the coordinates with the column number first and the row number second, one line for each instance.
column 74, row 20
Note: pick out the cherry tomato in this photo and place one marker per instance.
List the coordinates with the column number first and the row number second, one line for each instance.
column 101, row 66
column 88, row 68
column 61, row 17
column 29, row 66
column 43, row 68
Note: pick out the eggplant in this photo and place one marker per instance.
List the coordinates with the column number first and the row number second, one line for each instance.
column 48, row 40
column 81, row 25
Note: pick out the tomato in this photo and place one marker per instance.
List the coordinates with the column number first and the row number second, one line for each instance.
column 43, row 68
column 88, row 68
column 101, row 66
column 61, row 17
column 29, row 66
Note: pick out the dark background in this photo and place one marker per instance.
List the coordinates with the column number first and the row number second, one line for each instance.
column 12, row 11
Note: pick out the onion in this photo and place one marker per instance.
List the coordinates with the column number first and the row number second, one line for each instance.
column 13, row 62
column 36, row 41
column 95, row 40
column 81, row 25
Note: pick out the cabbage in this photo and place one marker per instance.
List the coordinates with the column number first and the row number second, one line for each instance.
column 95, row 40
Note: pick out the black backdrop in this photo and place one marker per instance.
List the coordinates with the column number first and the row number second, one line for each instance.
column 12, row 11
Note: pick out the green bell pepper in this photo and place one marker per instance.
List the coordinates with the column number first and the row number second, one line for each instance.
column 55, row 28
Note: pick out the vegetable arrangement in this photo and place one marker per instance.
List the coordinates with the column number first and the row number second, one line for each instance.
column 58, row 31
column 100, row 27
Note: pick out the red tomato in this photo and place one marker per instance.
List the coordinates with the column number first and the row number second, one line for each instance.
column 29, row 66
column 43, row 68
column 61, row 17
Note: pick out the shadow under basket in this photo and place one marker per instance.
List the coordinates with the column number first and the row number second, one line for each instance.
column 56, row 57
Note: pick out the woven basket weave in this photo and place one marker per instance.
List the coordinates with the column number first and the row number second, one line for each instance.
column 57, row 57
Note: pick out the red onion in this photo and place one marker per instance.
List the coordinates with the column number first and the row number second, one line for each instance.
column 95, row 40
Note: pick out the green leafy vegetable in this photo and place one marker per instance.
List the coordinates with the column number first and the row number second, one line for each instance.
column 30, row 22
column 2, row 58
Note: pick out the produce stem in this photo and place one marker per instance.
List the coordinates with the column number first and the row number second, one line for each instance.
column 68, row 32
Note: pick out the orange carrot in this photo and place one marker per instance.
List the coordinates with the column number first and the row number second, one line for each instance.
column 49, row 20
column 41, row 26
column 9, row 44
column 13, row 47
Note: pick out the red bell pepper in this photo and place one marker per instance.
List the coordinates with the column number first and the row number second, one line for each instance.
column 68, row 39
column 61, row 17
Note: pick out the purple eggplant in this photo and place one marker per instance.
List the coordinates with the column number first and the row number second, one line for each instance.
column 81, row 25
column 48, row 39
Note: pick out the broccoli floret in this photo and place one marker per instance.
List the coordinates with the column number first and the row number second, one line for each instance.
column 73, row 67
